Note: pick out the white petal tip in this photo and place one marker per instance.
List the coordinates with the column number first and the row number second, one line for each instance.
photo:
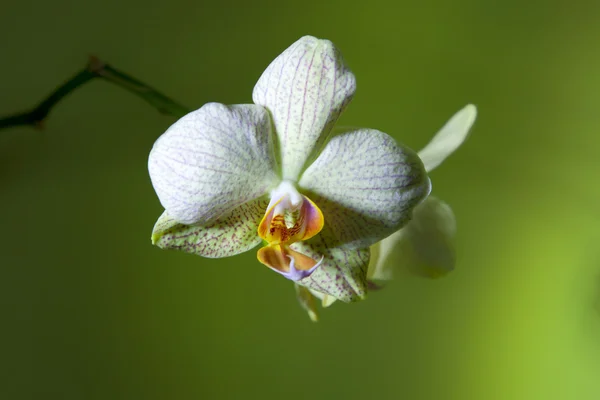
column 327, row 301
column 462, row 121
column 467, row 115
column 449, row 138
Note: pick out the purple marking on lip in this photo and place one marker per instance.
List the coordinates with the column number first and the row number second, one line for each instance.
column 297, row 274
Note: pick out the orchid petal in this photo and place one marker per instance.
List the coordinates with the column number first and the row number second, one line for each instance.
column 326, row 300
column 213, row 160
column 306, row 89
column 229, row 235
column 449, row 138
column 307, row 301
column 425, row 245
column 366, row 185
column 342, row 271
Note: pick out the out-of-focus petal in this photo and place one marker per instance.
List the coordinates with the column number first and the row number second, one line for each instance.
column 213, row 160
column 326, row 300
column 306, row 89
column 425, row 246
column 229, row 235
column 307, row 301
column 366, row 185
column 449, row 138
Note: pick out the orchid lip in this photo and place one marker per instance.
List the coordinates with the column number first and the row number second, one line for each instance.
column 290, row 217
column 297, row 274
column 292, row 264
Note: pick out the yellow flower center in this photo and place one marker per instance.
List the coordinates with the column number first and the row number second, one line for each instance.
column 291, row 218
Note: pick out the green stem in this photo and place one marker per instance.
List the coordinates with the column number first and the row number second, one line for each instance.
column 94, row 69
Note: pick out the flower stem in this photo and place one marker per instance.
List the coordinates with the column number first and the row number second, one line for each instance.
column 94, row 69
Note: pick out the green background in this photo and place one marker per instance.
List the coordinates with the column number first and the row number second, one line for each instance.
column 92, row 311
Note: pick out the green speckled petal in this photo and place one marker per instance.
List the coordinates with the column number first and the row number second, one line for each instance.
column 229, row 235
column 306, row 89
column 343, row 271
column 366, row 185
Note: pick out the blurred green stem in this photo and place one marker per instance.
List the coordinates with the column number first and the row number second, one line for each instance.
column 94, row 69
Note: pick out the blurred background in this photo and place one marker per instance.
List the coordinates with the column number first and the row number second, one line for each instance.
column 92, row 311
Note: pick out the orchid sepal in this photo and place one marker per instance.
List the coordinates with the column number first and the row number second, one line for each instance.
column 306, row 89
column 232, row 234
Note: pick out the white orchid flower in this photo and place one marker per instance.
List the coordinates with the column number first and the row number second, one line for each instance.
column 231, row 177
column 425, row 245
